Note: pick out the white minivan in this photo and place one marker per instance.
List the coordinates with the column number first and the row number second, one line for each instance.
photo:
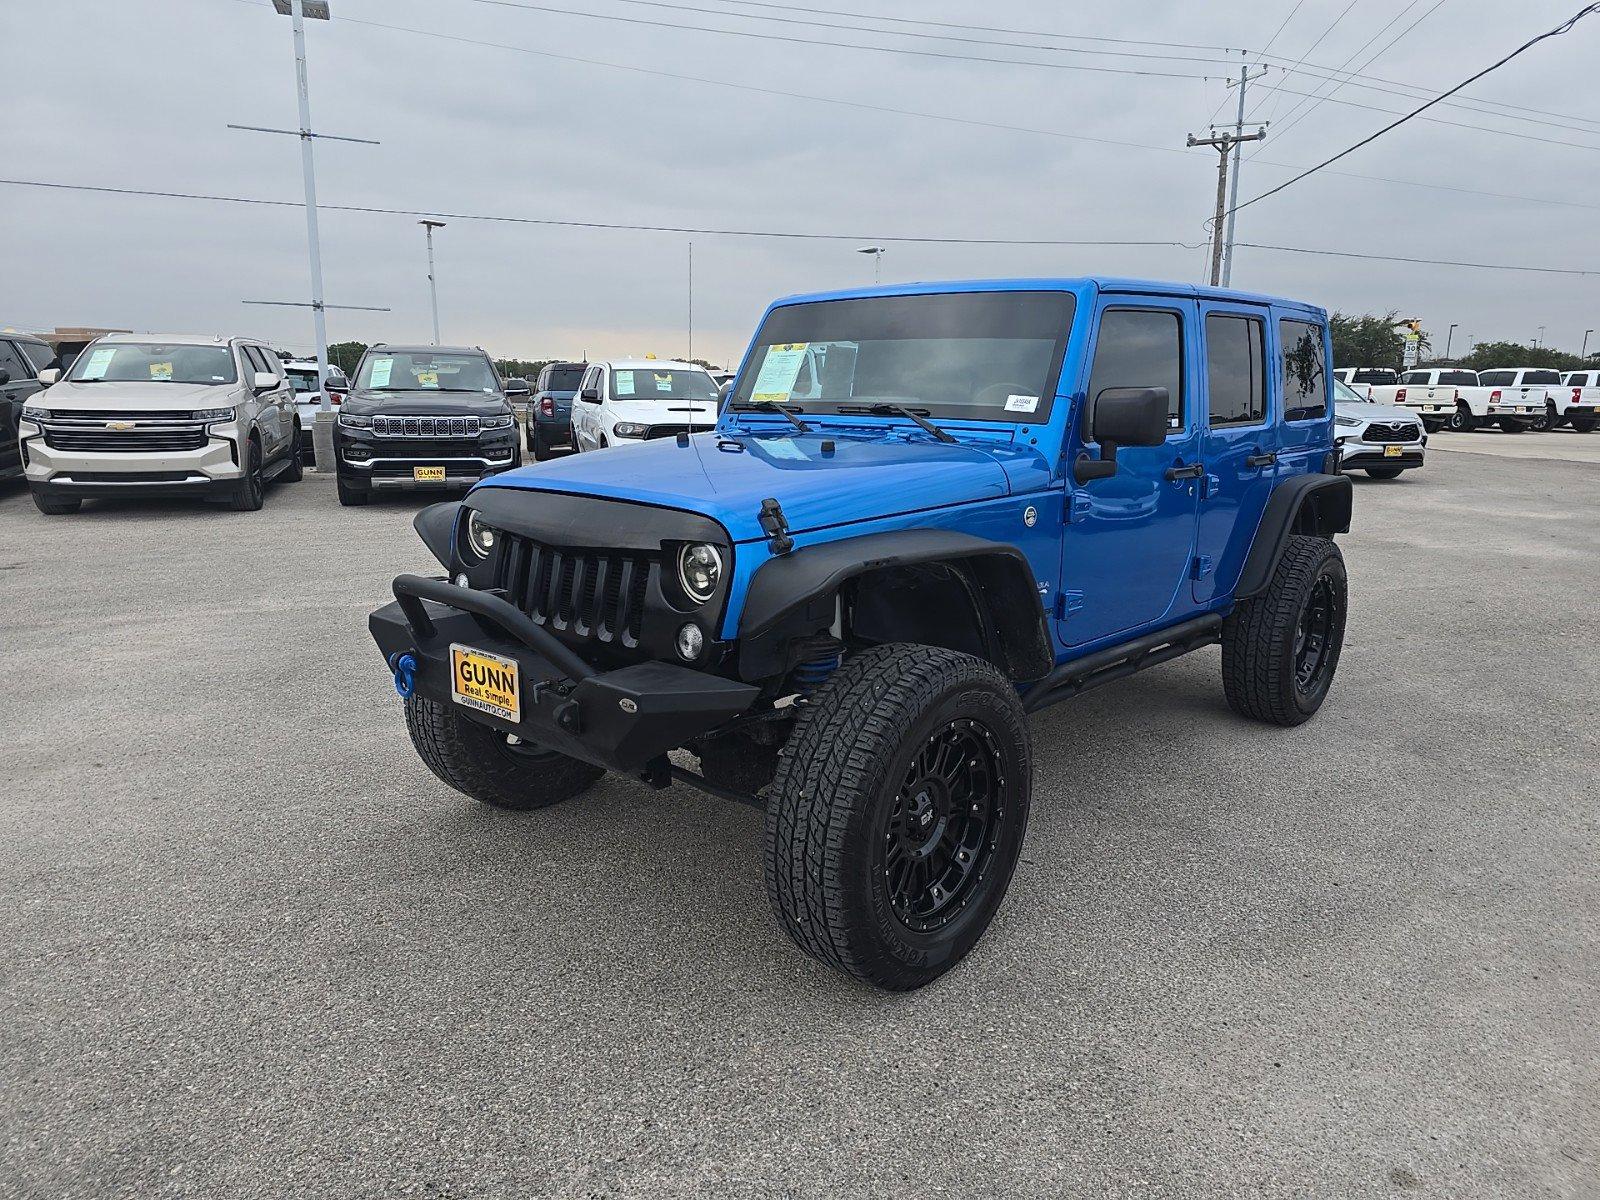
column 634, row 400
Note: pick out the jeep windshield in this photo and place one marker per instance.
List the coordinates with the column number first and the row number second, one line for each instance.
column 661, row 384
column 422, row 372
column 984, row 356
column 153, row 362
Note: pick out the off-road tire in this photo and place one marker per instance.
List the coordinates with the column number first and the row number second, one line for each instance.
column 1385, row 472
column 478, row 762
column 736, row 762
column 1462, row 420
column 56, row 506
column 352, row 497
column 250, row 493
column 829, row 807
column 1259, row 637
column 1584, row 424
column 296, row 470
column 1508, row 425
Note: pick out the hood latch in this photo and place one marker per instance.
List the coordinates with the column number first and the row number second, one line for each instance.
column 775, row 526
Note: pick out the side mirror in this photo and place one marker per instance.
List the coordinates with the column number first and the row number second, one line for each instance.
column 49, row 375
column 5, row 377
column 592, row 395
column 265, row 381
column 1121, row 417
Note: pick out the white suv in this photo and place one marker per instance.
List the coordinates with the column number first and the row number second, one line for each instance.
column 632, row 400
column 141, row 414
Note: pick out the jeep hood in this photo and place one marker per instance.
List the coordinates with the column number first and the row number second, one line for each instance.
column 727, row 478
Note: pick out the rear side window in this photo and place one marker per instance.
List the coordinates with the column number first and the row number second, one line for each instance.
column 1541, row 377
column 11, row 362
column 1305, row 374
column 1236, row 364
column 1141, row 348
column 40, row 356
column 1414, row 377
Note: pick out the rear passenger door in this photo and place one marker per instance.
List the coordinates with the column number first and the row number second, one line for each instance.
column 1304, row 407
column 1239, row 443
column 1129, row 538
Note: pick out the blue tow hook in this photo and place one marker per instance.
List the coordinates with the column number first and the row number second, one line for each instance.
column 404, row 667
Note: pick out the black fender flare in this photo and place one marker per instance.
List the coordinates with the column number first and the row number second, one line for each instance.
column 1314, row 504
column 793, row 595
column 436, row 525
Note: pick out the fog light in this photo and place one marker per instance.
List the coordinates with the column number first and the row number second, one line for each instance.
column 690, row 642
column 461, row 579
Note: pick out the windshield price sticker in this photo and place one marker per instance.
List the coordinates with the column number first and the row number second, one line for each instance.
column 622, row 383
column 779, row 370
column 99, row 362
column 1022, row 403
column 161, row 371
column 427, row 379
column 380, row 372
column 663, row 382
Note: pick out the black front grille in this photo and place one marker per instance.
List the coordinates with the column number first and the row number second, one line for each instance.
column 1402, row 432
column 590, row 594
column 666, row 431
column 425, row 427
column 123, row 441
column 101, row 417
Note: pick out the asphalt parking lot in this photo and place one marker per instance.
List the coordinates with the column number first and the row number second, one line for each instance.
column 252, row 948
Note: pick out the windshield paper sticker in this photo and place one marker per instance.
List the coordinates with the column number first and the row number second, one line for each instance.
column 380, row 372
column 1022, row 403
column 622, row 383
column 779, row 370
column 161, row 372
column 99, row 362
column 663, row 382
column 427, row 379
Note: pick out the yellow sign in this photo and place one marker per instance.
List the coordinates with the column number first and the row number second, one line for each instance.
column 428, row 474
column 161, row 371
column 427, row 379
column 485, row 682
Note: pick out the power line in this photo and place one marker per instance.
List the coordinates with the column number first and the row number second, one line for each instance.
column 1559, row 30
column 1271, row 88
column 1526, row 137
column 1288, row 120
column 787, row 235
column 801, row 41
column 1282, row 26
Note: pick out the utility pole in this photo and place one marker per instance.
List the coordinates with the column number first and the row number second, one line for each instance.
column 433, row 288
column 1233, row 197
column 691, row 299
column 1224, row 144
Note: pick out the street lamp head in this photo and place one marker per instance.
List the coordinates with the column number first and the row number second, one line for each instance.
column 312, row 10
column 870, row 250
column 432, row 224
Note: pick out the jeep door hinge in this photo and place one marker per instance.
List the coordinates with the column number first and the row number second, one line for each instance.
column 1200, row 567
column 1068, row 603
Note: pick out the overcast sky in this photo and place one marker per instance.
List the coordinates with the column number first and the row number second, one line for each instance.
column 137, row 93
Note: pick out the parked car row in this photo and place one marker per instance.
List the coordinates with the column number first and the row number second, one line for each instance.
column 1514, row 398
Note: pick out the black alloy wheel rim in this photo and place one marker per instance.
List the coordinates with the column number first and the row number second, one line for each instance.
column 1314, row 635
column 943, row 824
column 256, row 484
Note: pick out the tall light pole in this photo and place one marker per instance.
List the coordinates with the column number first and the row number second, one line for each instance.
column 1450, row 334
column 1233, row 183
column 877, row 261
column 1584, row 353
column 1540, row 342
column 433, row 288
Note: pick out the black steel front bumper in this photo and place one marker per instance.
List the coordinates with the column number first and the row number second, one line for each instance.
column 621, row 720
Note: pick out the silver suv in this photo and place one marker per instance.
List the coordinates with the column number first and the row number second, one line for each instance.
column 140, row 414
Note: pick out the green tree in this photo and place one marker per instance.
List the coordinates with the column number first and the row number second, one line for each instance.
column 345, row 355
column 1486, row 356
column 1366, row 341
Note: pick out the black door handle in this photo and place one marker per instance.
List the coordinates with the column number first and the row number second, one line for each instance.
column 1261, row 460
column 1192, row 471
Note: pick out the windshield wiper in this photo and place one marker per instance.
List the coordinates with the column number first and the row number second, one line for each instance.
column 884, row 409
column 788, row 412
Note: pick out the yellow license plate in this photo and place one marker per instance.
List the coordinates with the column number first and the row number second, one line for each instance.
column 485, row 682
column 428, row 474
column 1391, row 451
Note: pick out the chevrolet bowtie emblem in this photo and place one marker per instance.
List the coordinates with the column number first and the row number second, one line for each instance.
column 119, row 424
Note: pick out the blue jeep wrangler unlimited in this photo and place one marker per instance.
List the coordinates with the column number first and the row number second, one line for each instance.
column 924, row 513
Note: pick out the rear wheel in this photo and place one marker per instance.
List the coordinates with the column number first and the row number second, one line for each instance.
column 1385, row 472
column 897, row 813
column 1583, row 424
column 56, row 506
column 541, row 452
column 1433, row 426
column 489, row 766
column 296, row 470
column 1280, row 649
column 251, row 491
column 1462, row 420
column 1508, row 425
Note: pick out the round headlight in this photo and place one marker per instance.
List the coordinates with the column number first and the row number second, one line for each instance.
column 480, row 534
column 700, row 570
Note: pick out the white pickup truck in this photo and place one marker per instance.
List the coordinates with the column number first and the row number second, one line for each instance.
column 1432, row 393
column 1515, row 398
column 1360, row 377
column 1578, row 400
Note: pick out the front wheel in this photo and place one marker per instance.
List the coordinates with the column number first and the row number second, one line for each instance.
column 492, row 767
column 56, row 506
column 251, row 491
column 1281, row 648
column 352, row 497
column 896, row 816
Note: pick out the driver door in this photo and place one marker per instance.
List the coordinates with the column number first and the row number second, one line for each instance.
column 1129, row 539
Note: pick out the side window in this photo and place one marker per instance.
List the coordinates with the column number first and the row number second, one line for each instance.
column 1140, row 348
column 11, row 362
column 1305, row 375
column 1236, row 364
column 1496, row 378
column 1415, row 377
column 40, row 356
